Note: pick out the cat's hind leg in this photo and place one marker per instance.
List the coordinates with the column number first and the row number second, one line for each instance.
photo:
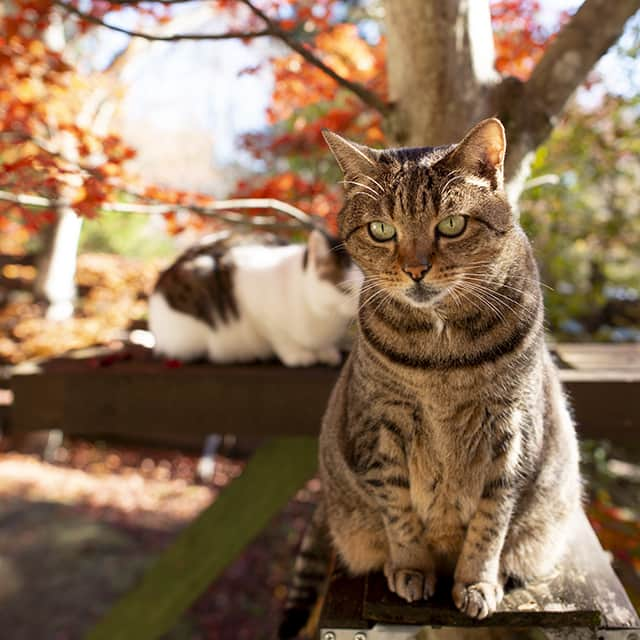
column 362, row 547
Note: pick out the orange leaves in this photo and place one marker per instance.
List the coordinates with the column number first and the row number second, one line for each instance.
column 44, row 99
column 311, row 195
column 305, row 101
column 44, row 151
column 520, row 39
column 300, row 84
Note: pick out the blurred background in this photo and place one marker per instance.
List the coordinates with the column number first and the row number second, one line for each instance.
column 124, row 128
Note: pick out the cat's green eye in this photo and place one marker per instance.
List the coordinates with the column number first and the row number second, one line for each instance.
column 452, row 226
column 382, row 231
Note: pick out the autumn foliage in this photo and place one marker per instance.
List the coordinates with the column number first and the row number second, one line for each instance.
column 51, row 148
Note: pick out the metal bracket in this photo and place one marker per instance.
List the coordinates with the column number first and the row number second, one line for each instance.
column 618, row 634
column 407, row 632
column 378, row 632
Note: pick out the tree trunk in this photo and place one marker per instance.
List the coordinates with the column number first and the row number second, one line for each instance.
column 442, row 80
column 55, row 283
column 440, row 68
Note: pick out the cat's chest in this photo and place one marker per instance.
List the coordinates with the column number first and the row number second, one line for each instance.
column 447, row 465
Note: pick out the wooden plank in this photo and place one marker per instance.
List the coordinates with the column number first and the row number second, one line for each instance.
column 343, row 603
column 585, row 592
column 606, row 409
column 150, row 399
column 211, row 542
column 600, row 356
column 131, row 393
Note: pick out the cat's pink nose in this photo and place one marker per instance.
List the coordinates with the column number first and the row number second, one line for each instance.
column 417, row 272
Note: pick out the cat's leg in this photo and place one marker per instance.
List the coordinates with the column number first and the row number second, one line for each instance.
column 294, row 356
column 330, row 356
column 410, row 569
column 478, row 582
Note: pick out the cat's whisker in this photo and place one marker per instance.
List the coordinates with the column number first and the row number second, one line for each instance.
column 450, row 180
column 482, row 300
column 464, row 297
column 502, row 301
column 371, row 298
column 338, row 246
column 521, row 276
column 508, row 300
column 385, row 300
column 506, row 303
column 483, row 281
column 375, row 182
column 364, row 186
column 485, row 299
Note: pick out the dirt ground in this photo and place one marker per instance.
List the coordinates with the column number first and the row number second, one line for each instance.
column 78, row 532
column 75, row 535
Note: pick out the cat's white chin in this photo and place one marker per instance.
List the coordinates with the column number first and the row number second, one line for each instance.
column 422, row 296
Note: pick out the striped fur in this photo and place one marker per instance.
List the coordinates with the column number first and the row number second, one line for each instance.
column 447, row 446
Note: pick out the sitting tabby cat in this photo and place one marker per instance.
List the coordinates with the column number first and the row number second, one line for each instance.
column 242, row 298
column 447, row 446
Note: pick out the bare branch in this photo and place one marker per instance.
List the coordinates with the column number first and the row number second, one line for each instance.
column 572, row 54
column 221, row 210
column 136, row 2
column 531, row 108
column 272, row 29
column 304, row 219
column 150, row 36
column 368, row 97
column 266, row 203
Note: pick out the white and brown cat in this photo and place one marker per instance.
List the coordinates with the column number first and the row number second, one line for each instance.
column 235, row 298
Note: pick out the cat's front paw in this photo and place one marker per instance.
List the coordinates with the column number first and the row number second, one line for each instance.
column 297, row 358
column 410, row 584
column 479, row 599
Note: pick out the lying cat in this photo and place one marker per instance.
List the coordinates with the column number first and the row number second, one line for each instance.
column 447, row 446
column 238, row 299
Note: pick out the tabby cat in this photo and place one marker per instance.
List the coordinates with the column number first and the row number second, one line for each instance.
column 447, row 446
column 237, row 298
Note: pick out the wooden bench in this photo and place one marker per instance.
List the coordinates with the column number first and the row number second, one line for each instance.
column 584, row 600
column 128, row 394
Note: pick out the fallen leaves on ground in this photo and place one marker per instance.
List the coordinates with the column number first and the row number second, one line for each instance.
column 113, row 296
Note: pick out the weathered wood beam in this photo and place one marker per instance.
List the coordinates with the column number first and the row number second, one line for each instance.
column 211, row 542
column 144, row 398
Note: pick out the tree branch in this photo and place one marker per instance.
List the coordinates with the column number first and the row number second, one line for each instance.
column 368, row 97
column 531, row 108
column 150, row 36
column 572, row 54
column 221, row 210
column 304, row 219
column 272, row 29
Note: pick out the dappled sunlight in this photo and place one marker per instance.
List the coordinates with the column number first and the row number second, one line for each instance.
column 151, row 498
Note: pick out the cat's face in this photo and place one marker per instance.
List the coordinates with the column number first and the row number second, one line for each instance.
column 418, row 221
column 333, row 279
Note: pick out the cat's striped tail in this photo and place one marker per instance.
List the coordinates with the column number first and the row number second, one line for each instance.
column 310, row 573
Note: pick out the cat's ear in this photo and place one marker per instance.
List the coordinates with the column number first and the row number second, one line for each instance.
column 481, row 152
column 354, row 159
column 318, row 248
